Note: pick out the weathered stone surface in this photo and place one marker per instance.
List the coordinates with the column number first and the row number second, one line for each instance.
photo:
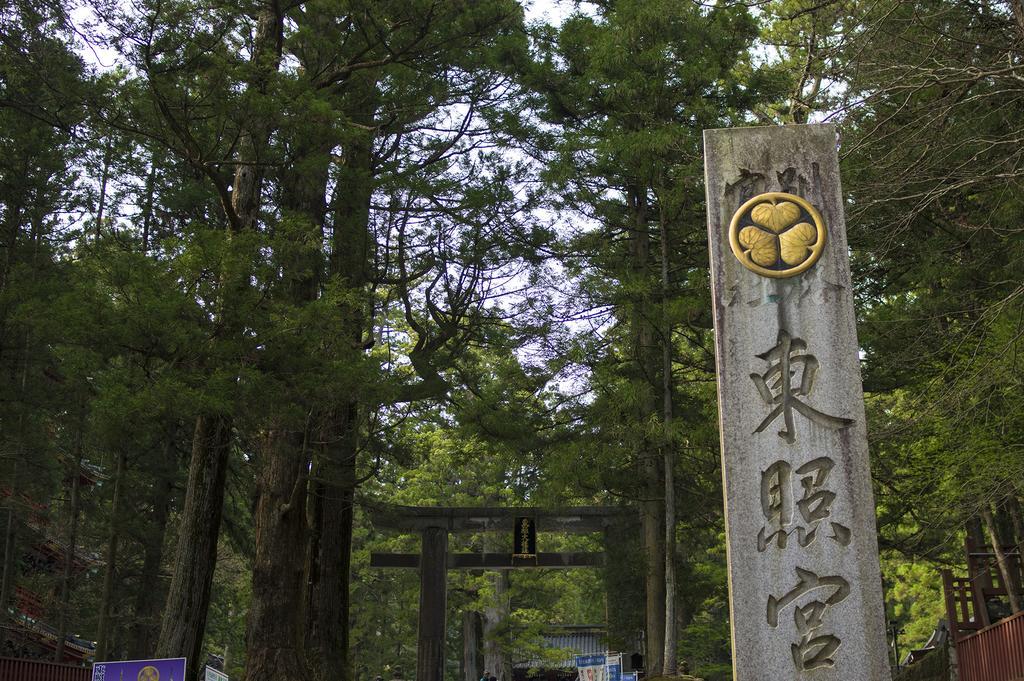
column 805, row 584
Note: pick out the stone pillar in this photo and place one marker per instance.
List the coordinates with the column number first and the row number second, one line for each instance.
column 433, row 605
column 804, row 577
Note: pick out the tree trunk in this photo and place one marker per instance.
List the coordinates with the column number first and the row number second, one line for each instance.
column 299, row 630
column 668, row 448
column 654, row 562
column 19, row 368
column 69, row 557
column 470, row 645
column 247, row 188
column 645, row 356
column 147, row 210
column 273, row 636
column 1018, row 16
column 332, row 488
column 332, row 503
column 105, row 628
column 1003, row 562
column 149, row 595
column 497, row 660
column 330, row 552
column 104, row 180
column 188, row 596
column 1006, row 531
column 10, row 566
column 684, row 617
column 1017, row 521
column 11, row 230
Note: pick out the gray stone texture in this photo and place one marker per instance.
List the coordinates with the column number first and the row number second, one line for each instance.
column 816, row 307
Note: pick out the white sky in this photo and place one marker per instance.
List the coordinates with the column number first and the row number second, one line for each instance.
column 551, row 11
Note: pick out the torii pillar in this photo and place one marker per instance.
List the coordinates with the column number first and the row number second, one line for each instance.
column 433, row 604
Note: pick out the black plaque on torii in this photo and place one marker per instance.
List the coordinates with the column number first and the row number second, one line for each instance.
column 524, row 537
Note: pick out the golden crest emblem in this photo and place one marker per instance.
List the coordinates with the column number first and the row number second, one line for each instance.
column 777, row 235
column 148, row 673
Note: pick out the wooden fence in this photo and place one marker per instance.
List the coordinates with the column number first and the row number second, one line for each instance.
column 12, row 669
column 996, row 653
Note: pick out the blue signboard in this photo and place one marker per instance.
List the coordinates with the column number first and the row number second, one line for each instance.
column 591, row 660
column 140, row 670
column 615, row 671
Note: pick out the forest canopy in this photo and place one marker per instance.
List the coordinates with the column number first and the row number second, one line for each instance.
column 268, row 265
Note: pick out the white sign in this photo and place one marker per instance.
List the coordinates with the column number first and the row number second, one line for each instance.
column 214, row 675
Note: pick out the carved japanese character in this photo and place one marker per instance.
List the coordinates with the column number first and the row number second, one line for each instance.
column 814, row 649
column 777, row 390
column 814, row 504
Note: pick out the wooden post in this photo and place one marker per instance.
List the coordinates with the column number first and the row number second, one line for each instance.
column 804, row 576
column 433, row 605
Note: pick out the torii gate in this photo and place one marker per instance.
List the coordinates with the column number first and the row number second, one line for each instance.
column 435, row 524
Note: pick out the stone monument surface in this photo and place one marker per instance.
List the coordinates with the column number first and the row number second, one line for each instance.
column 804, row 577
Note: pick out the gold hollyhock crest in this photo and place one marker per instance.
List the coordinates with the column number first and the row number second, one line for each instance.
column 777, row 235
column 149, row 673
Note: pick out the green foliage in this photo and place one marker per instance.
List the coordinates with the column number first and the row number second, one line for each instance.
column 461, row 231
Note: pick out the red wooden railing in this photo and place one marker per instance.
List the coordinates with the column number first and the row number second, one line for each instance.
column 995, row 653
column 12, row 669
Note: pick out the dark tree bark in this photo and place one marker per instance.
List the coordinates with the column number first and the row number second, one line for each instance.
column 147, row 210
column 646, row 357
column 105, row 634
column 1017, row 520
column 273, row 636
column 315, row 630
column 471, row 630
column 1018, row 16
column 69, row 557
column 188, row 596
column 184, row 620
column 1006, row 531
column 330, row 549
column 10, row 564
column 334, row 488
column 149, row 595
column 654, row 562
column 104, row 181
column 1003, row 562
column 247, row 189
column 497, row 659
column 1013, row 510
column 669, row 457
